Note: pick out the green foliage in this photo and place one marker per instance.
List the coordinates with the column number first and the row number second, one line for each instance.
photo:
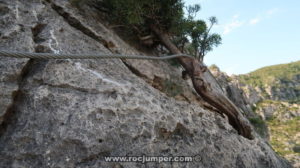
column 296, row 148
column 253, row 107
column 78, row 3
column 259, row 125
column 256, row 121
column 214, row 67
column 172, row 88
column 268, row 75
column 201, row 41
column 140, row 14
column 279, row 108
column 274, row 76
column 296, row 100
column 174, row 62
column 283, row 138
column 190, row 35
column 283, row 131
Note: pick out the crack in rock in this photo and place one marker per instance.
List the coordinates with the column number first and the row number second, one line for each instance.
column 10, row 112
column 135, row 71
column 76, row 23
column 36, row 30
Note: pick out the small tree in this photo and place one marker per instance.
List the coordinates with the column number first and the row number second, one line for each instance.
column 188, row 34
column 202, row 40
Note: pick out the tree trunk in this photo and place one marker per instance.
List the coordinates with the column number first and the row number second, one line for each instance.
column 201, row 57
column 207, row 87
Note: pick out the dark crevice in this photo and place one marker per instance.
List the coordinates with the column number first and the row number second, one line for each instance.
column 75, row 23
column 185, row 98
column 10, row 114
column 4, row 10
column 32, row 66
column 42, row 49
column 36, row 30
column 74, row 88
column 134, row 70
column 38, row 40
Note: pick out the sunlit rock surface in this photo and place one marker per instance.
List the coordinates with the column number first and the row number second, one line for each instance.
column 73, row 113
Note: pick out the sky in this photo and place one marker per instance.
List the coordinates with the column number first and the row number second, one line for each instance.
column 255, row 33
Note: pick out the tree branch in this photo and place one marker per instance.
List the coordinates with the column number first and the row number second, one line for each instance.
column 207, row 87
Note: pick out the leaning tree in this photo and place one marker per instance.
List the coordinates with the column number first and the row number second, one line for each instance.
column 180, row 33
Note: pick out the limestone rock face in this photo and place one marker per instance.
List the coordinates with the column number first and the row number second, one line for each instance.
column 73, row 113
column 233, row 89
column 13, row 37
column 282, row 111
column 288, row 90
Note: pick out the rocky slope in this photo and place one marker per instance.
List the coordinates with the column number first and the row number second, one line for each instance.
column 243, row 96
column 278, row 82
column 279, row 89
column 73, row 113
column 269, row 97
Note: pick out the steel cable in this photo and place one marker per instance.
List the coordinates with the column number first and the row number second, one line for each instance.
column 85, row 56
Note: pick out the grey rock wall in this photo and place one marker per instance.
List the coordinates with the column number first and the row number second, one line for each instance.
column 72, row 113
column 233, row 90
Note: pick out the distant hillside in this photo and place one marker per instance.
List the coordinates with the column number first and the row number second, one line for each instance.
column 277, row 82
column 270, row 99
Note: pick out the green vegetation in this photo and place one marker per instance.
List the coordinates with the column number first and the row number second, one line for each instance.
column 283, row 136
column 77, row 3
column 296, row 100
column 140, row 17
column 259, row 126
column 269, row 75
column 267, row 102
column 279, row 108
column 296, row 148
column 214, row 67
column 174, row 63
column 275, row 77
column 140, row 14
column 172, row 88
column 284, row 129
